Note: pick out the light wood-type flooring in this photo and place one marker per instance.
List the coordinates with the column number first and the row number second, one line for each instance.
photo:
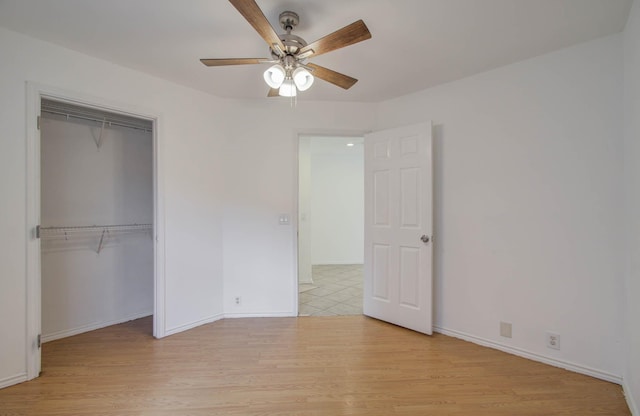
column 339, row 365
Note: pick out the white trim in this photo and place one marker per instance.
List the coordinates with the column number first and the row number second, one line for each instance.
column 32, row 259
column 92, row 327
column 576, row 368
column 294, row 222
column 159, row 282
column 182, row 328
column 10, row 381
column 35, row 92
column 633, row 407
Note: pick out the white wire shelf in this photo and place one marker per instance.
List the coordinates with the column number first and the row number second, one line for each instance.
column 104, row 231
column 51, row 231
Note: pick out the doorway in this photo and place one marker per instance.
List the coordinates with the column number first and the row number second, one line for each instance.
column 330, row 225
column 129, row 241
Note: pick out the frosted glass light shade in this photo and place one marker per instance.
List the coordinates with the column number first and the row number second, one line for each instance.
column 302, row 78
column 288, row 88
column 274, row 76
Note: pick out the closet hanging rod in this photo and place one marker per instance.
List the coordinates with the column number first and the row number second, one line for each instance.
column 98, row 120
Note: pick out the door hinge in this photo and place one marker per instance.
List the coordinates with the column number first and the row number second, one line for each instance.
column 38, row 231
column 39, row 340
column 38, row 122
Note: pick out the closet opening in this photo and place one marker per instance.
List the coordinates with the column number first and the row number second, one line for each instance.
column 96, row 228
column 330, row 225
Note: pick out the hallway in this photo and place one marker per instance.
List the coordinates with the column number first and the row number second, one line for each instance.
column 336, row 290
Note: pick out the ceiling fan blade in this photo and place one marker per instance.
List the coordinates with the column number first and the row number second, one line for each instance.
column 233, row 61
column 348, row 35
column 273, row 92
column 252, row 13
column 336, row 78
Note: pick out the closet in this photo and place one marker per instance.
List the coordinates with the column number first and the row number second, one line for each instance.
column 96, row 207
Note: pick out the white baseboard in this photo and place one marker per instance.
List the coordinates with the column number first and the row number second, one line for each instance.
column 91, row 327
column 182, row 328
column 576, row 368
column 633, row 407
column 10, row 381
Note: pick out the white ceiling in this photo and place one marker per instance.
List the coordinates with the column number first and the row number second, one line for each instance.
column 415, row 44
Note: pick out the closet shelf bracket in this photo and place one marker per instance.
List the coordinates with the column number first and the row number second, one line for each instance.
column 101, row 240
column 99, row 139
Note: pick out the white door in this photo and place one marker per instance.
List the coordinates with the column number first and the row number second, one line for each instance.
column 398, row 226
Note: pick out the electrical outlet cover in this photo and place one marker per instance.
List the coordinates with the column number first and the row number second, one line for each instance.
column 553, row 340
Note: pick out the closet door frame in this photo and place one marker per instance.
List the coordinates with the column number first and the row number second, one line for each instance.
column 35, row 93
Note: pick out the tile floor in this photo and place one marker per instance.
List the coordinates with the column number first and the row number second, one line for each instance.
column 336, row 290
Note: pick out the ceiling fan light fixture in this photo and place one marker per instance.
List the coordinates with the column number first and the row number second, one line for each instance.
column 302, row 78
column 289, row 52
column 288, row 88
column 274, row 76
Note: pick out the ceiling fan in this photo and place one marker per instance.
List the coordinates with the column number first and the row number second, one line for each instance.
column 289, row 53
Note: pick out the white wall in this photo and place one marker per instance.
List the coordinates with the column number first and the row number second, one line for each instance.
column 191, row 135
column 632, row 218
column 528, row 197
column 82, row 185
column 260, row 254
column 337, row 201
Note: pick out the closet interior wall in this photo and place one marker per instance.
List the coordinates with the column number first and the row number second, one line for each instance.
column 94, row 174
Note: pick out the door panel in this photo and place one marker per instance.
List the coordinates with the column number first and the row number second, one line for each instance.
column 381, row 272
column 410, row 277
column 381, row 197
column 409, row 201
column 398, row 212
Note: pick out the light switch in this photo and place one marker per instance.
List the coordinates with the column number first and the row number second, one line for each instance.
column 283, row 219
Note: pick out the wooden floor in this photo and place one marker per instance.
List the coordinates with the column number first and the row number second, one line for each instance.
column 343, row 365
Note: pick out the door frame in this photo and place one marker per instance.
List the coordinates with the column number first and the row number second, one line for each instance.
column 296, row 195
column 35, row 93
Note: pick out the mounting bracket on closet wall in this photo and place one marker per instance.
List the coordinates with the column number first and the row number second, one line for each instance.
column 99, row 139
column 101, row 241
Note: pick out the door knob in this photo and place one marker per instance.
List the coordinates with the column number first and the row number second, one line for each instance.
column 424, row 238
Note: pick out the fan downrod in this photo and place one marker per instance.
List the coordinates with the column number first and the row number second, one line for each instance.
column 292, row 43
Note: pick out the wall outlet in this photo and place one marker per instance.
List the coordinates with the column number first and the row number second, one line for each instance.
column 238, row 300
column 505, row 329
column 553, row 340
